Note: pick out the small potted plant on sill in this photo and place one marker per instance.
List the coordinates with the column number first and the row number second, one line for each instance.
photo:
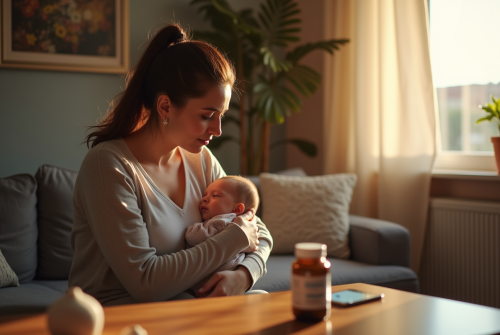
column 493, row 111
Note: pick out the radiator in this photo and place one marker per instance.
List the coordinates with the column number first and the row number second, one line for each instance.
column 461, row 257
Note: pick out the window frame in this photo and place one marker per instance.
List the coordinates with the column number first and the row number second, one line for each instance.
column 446, row 160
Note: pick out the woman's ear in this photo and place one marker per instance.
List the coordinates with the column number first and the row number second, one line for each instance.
column 163, row 106
column 239, row 209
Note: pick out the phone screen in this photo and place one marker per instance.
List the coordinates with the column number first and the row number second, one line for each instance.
column 353, row 297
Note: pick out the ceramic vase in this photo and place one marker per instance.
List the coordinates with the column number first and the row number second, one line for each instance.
column 77, row 313
column 134, row 330
column 496, row 148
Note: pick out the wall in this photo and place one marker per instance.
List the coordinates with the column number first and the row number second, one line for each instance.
column 308, row 124
column 43, row 114
column 466, row 187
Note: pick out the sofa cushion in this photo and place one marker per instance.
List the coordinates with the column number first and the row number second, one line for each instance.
column 7, row 275
column 379, row 242
column 297, row 172
column 33, row 297
column 55, row 220
column 279, row 269
column 308, row 209
column 18, row 228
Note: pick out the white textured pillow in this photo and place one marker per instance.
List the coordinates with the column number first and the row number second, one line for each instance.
column 7, row 276
column 308, row 209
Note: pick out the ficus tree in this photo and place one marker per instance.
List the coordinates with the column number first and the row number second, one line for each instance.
column 270, row 76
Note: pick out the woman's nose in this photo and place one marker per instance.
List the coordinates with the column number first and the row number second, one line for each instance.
column 215, row 127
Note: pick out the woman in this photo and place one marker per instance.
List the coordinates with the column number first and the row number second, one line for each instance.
column 141, row 183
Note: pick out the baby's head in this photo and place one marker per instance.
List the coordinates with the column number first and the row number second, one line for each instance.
column 231, row 194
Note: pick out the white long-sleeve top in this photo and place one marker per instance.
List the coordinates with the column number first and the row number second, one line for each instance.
column 128, row 236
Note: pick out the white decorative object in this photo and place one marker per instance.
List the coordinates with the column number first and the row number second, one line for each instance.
column 134, row 330
column 308, row 209
column 77, row 313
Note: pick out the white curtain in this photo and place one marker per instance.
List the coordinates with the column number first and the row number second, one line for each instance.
column 381, row 121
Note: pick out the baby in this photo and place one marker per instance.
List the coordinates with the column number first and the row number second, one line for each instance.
column 222, row 201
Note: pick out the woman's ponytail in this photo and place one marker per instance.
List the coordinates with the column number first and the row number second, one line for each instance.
column 172, row 65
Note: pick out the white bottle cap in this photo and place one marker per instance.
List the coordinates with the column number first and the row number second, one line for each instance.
column 310, row 250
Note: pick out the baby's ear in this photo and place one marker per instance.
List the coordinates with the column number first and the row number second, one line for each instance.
column 239, row 209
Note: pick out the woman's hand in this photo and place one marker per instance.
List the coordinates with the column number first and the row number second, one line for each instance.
column 248, row 223
column 226, row 283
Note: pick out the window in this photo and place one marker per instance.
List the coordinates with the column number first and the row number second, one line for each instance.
column 465, row 49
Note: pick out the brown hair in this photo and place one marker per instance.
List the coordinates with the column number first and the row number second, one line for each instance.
column 246, row 192
column 172, row 64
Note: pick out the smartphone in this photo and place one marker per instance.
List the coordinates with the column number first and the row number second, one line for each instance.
column 349, row 298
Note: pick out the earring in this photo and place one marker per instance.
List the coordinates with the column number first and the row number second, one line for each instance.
column 165, row 122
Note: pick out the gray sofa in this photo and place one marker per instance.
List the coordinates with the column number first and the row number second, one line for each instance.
column 36, row 214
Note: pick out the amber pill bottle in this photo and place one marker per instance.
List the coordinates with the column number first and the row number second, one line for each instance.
column 311, row 282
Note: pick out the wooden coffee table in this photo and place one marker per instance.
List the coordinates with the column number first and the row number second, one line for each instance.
column 398, row 313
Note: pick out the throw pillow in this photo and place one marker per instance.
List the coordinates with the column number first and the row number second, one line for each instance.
column 18, row 224
column 55, row 220
column 7, row 276
column 308, row 209
column 298, row 172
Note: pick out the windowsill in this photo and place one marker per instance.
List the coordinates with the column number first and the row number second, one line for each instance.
column 466, row 175
column 465, row 163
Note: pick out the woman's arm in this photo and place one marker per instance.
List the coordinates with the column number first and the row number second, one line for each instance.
column 236, row 282
column 255, row 262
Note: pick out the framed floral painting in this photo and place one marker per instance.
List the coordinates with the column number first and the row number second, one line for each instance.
column 66, row 35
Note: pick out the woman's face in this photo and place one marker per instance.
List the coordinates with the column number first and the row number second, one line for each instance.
column 194, row 125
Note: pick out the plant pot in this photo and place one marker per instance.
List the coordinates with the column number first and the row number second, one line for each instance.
column 496, row 148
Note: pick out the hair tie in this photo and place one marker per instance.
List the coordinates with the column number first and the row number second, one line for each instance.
column 177, row 38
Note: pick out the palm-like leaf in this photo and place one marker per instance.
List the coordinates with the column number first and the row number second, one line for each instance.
column 238, row 20
column 304, row 79
column 300, row 51
column 220, row 21
column 280, row 20
column 226, row 21
column 275, row 101
column 276, row 64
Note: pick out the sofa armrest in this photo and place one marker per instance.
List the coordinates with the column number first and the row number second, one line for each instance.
column 378, row 242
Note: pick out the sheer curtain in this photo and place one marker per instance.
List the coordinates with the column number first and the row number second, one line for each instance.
column 381, row 122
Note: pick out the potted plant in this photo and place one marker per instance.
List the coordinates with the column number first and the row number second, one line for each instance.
column 270, row 75
column 493, row 111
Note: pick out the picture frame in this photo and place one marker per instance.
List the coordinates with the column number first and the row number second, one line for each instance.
column 65, row 35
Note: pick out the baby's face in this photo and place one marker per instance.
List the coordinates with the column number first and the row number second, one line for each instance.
column 218, row 199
